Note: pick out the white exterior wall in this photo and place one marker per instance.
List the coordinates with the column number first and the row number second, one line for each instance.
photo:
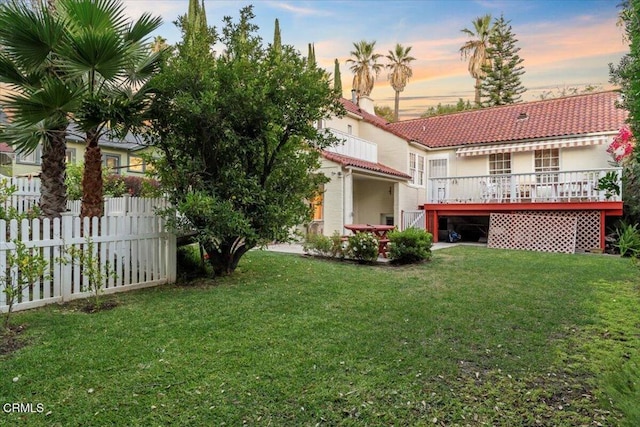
column 372, row 198
column 343, row 123
column 575, row 158
column 332, row 208
column 593, row 157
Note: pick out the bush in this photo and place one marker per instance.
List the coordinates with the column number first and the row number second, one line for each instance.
column 628, row 239
column 114, row 185
column 190, row 263
column 317, row 244
column 409, row 246
column 137, row 186
column 363, row 247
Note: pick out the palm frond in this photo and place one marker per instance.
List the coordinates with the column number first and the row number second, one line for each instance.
column 94, row 15
column 29, row 37
column 143, row 27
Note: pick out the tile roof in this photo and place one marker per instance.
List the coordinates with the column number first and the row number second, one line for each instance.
column 559, row 117
column 5, row 148
column 372, row 118
column 362, row 164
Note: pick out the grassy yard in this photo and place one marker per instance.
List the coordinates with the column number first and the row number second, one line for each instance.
column 475, row 337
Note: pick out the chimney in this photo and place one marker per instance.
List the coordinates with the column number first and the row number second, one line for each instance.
column 366, row 104
column 354, row 99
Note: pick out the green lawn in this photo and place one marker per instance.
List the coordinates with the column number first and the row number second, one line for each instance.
column 475, row 337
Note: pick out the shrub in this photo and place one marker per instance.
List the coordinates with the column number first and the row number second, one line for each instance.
column 338, row 246
column 409, row 246
column 138, row 186
column 114, row 185
column 628, row 239
column 363, row 247
column 318, row 244
column 190, row 262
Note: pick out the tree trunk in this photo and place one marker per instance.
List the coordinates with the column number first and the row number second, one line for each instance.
column 478, row 86
column 53, row 199
column 397, row 106
column 225, row 258
column 92, row 186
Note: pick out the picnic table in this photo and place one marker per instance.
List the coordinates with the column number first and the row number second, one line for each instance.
column 378, row 230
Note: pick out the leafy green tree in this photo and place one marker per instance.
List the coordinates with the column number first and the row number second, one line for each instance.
column 502, row 84
column 400, row 72
column 563, row 91
column 626, row 75
column 237, row 139
column 440, row 109
column 385, row 112
column 476, row 50
column 365, row 66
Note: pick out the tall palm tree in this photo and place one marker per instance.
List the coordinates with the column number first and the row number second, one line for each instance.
column 159, row 44
column 110, row 56
column 364, row 66
column 476, row 50
column 40, row 98
column 401, row 72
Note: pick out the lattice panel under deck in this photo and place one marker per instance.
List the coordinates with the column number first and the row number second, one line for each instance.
column 544, row 233
column 588, row 232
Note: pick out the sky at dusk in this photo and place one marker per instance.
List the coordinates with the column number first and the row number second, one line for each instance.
column 564, row 43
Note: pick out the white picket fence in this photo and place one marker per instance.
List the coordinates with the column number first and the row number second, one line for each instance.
column 125, row 205
column 138, row 248
column 27, row 195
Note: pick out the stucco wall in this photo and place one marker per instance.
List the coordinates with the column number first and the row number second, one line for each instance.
column 332, row 203
column 371, row 199
column 576, row 158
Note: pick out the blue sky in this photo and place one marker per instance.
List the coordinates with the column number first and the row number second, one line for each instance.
column 564, row 43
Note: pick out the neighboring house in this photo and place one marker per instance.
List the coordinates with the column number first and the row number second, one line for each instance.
column 121, row 157
column 543, row 158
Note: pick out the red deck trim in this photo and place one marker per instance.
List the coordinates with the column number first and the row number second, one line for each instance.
column 436, row 210
column 610, row 208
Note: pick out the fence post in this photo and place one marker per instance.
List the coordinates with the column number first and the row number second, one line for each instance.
column 66, row 233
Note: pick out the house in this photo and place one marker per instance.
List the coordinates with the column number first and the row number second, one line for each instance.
column 541, row 160
column 120, row 156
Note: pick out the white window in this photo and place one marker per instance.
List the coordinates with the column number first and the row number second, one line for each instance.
column 416, row 169
column 112, row 162
column 136, row 164
column 547, row 160
column 70, row 156
column 33, row 158
column 499, row 163
column 420, row 171
column 350, row 129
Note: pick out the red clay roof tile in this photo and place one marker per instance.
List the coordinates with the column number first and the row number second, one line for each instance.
column 568, row 116
column 362, row 164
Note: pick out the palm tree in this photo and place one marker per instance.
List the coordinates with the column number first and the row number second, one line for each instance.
column 476, row 50
column 110, row 56
column 364, row 67
column 40, row 98
column 401, row 72
column 159, row 44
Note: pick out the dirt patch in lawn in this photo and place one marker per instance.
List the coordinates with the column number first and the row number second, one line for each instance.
column 10, row 339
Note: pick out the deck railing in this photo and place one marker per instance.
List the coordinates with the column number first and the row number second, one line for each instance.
column 558, row 187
